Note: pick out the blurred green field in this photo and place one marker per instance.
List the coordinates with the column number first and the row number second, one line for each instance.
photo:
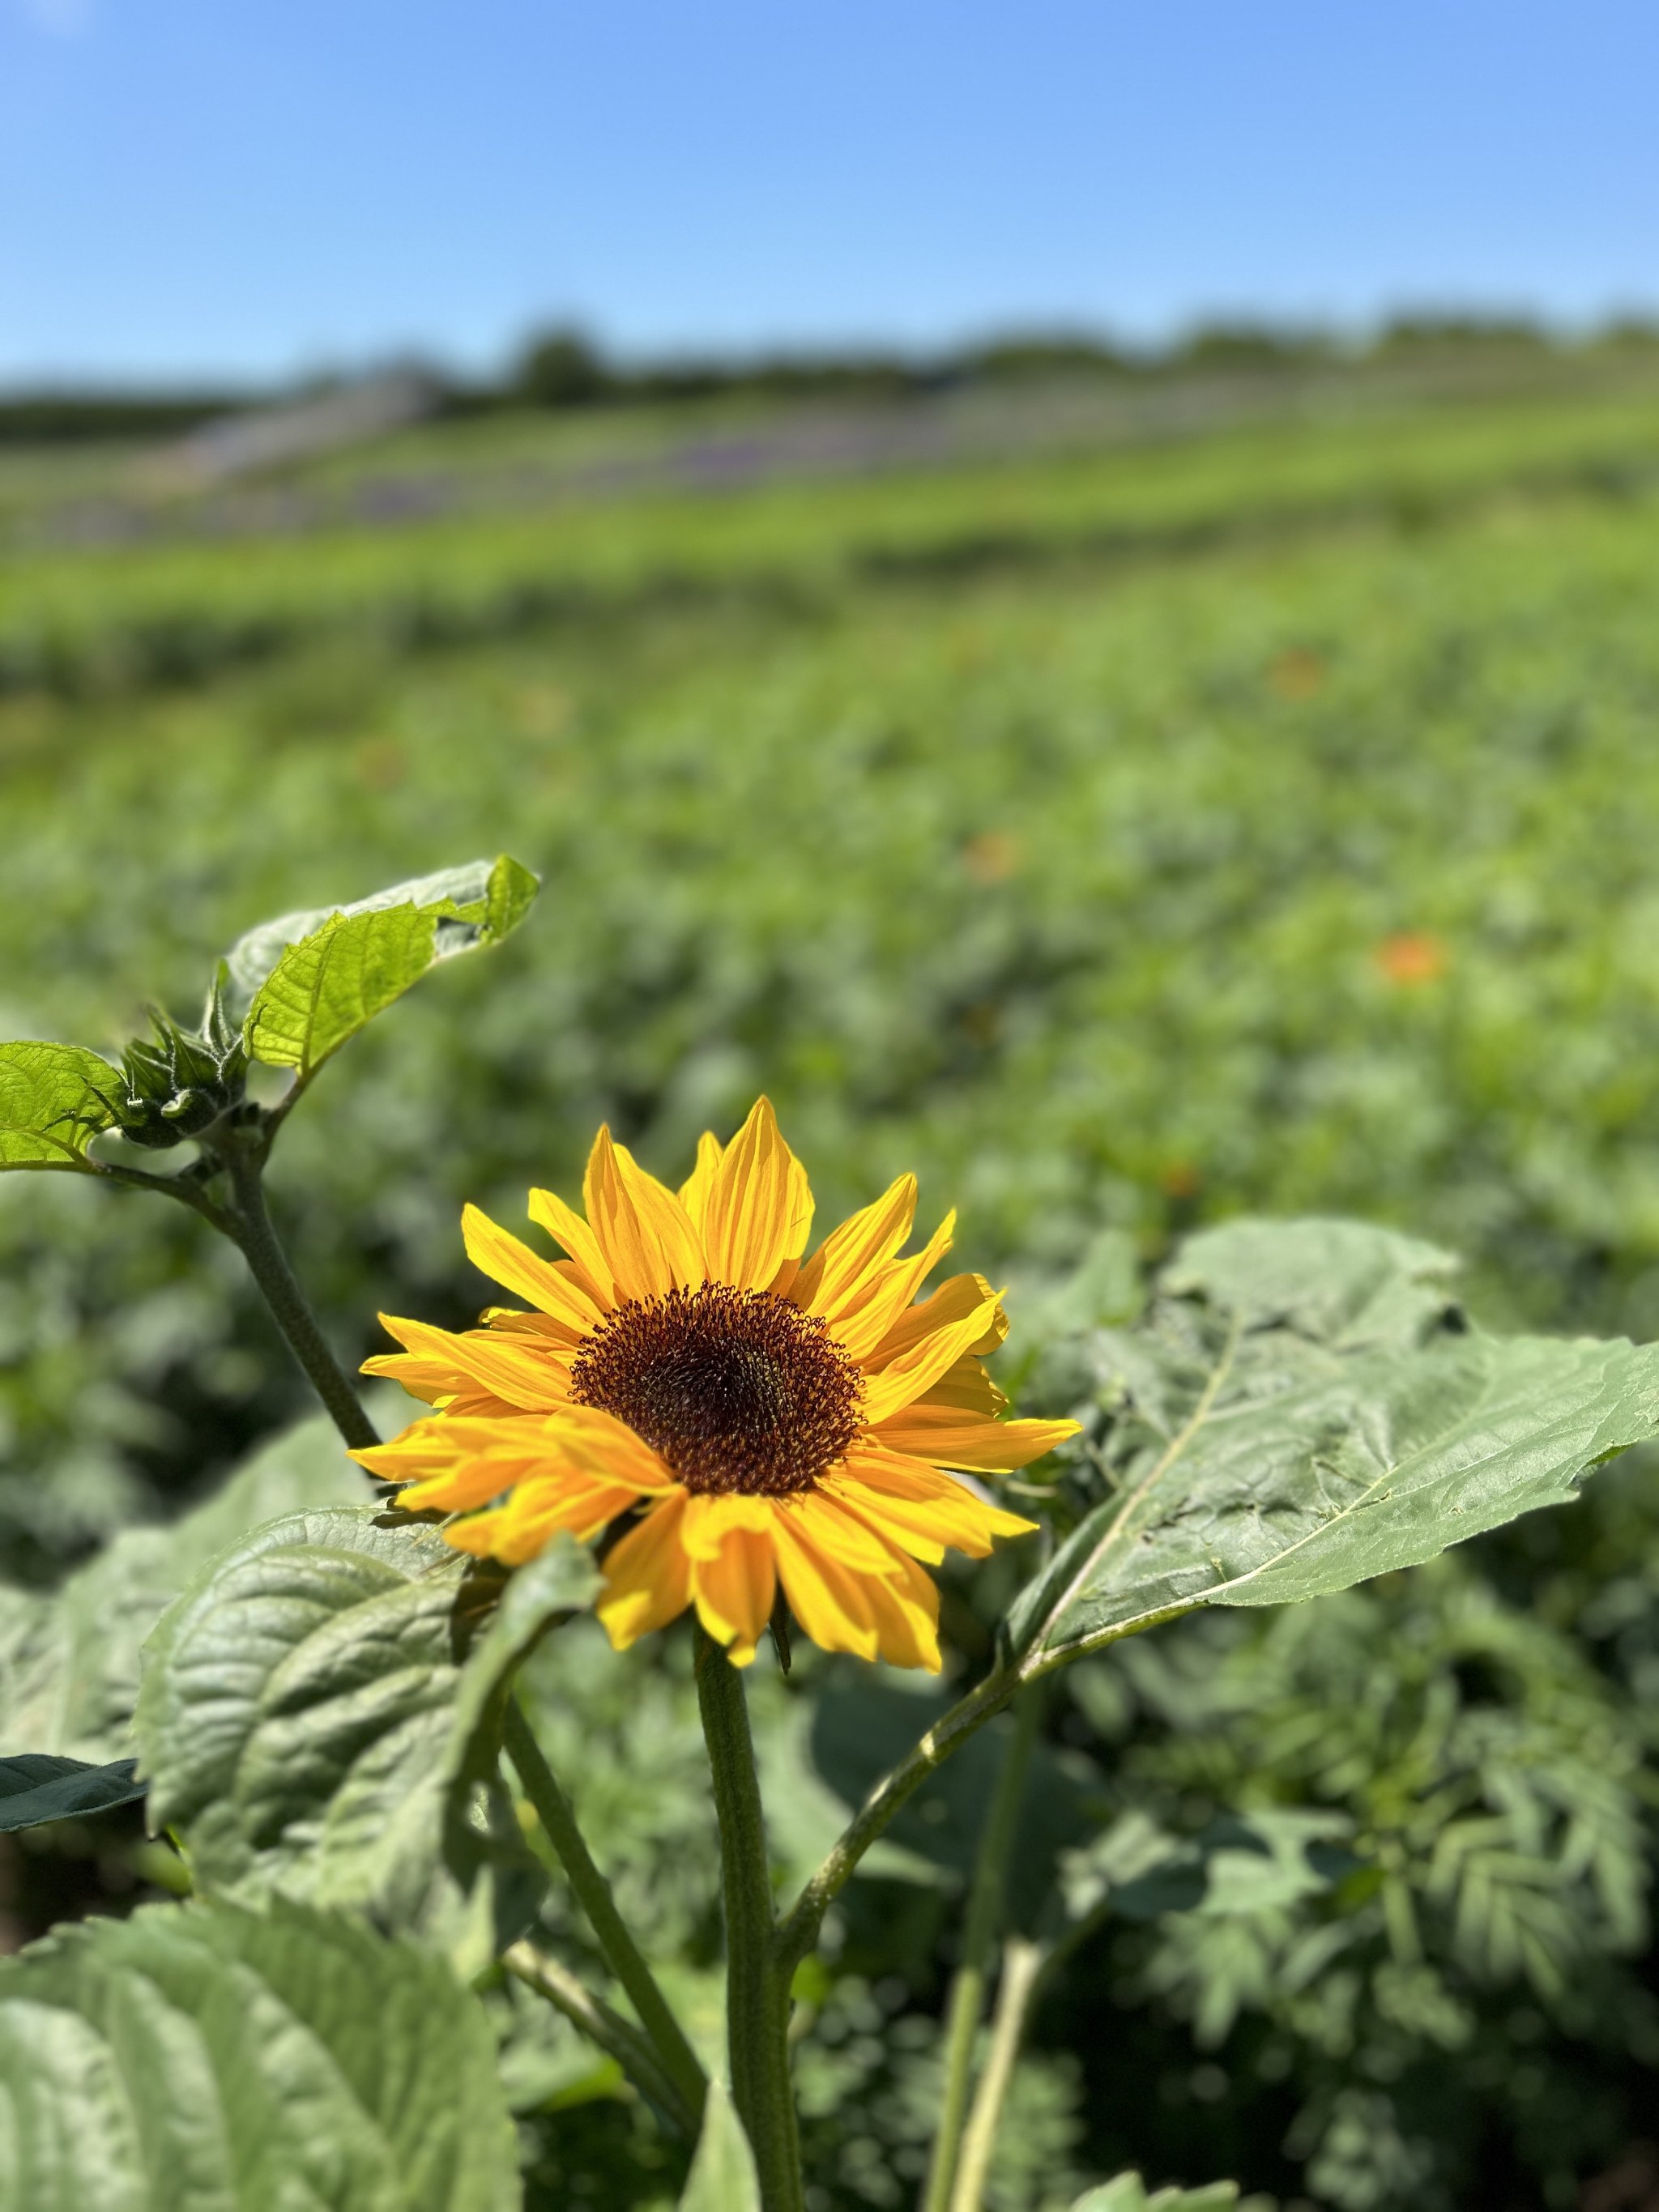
column 1263, row 820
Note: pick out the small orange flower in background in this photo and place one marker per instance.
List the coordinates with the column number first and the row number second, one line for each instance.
column 778, row 1423
column 993, row 856
column 1297, row 674
column 1412, row 958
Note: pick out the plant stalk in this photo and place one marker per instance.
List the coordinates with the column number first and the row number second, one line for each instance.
column 605, row 2027
column 799, row 1931
column 679, row 2061
column 967, row 2000
column 250, row 1228
column 757, row 1971
column 1023, row 1965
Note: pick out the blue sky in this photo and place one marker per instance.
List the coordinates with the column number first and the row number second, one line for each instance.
column 242, row 188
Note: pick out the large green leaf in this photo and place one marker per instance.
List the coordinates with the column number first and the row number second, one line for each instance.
column 296, row 1711
column 53, row 1104
column 314, row 979
column 69, row 1662
column 722, row 2177
column 207, row 2058
column 35, row 1788
column 1301, row 1408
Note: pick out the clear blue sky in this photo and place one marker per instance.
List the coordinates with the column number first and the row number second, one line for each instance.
column 245, row 187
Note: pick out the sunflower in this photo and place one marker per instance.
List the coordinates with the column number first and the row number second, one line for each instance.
column 762, row 1421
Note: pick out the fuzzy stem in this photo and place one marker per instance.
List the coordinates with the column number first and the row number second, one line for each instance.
column 1023, row 1964
column 602, row 2025
column 978, row 1940
column 679, row 2061
column 757, row 1973
column 250, row 1227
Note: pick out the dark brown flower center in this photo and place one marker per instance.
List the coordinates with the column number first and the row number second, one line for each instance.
column 737, row 1389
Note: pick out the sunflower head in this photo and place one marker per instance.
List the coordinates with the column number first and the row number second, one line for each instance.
column 757, row 1423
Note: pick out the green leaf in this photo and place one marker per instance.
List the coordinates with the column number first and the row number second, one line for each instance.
column 722, row 2177
column 207, row 2056
column 69, row 1662
column 559, row 1580
column 35, row 1788
column 1239, row 1863
column 53, row 1103
column 314, row 979
column 1302, row 1409
column 296, row 1707
column 1127, row 2193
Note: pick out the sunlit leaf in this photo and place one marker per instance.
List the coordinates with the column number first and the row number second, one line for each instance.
column 1302, row 1409
column 295, row 1710
column 35, row 1788
column 314, row 979
column 69, row 1660
column 295, row 1725
column 210, row 2057
column 53, row 1101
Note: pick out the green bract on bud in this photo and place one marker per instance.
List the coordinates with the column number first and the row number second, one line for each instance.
column 181, row 1082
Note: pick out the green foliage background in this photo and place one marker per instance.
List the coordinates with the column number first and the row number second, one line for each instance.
column 1052, row 828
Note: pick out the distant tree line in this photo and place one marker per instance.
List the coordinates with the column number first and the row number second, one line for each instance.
column 563, row 369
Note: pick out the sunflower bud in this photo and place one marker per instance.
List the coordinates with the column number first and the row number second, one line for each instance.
column 180, row 1083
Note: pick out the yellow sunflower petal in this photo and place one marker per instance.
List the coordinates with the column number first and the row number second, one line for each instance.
column 950, row 1437
column 648, row 1576
column 905, row 1609
column 433, row 1380
column 801, row 1209
column 709, row 1520
column 514, row 1265
column 459, row 1461
column 537, row 1510
column 937, row 1504
column 694, row 1191
column 918, row 1529
column 566, row 1226
column 542, row 1507
column 857, row 1251
column 749, row 1207
column 643, row 1229
column 968, row 1388
column 925, row 1526
column 865, row 1321
column 831, row 1604
column 960, row 1295
column 823, row 1522
column 922, row 1363
column 534, row 1379
column 734, row 1591
column 478, row 1535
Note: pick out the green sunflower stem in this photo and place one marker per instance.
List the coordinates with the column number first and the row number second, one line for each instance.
column 249, row 1227
column 967, row 2000
column 679, row 2062
column 757, row 1969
